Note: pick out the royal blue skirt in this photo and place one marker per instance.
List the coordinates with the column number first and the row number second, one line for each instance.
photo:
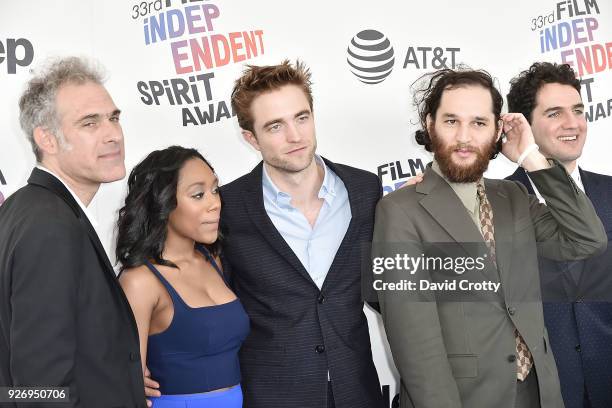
column 231, row 398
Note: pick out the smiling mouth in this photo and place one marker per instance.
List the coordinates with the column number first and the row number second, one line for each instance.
column 568, row 138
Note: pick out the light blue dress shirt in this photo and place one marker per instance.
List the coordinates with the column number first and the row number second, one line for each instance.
column 315, row 246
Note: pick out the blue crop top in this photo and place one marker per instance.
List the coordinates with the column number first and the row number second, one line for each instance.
column 198, row 352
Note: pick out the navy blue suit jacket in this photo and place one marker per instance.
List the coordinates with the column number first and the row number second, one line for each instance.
column 298, row 332
column 577, row 301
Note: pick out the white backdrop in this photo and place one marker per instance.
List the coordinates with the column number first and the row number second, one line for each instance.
column 364, row 125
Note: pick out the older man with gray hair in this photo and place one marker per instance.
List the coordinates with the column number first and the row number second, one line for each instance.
column 64, row 320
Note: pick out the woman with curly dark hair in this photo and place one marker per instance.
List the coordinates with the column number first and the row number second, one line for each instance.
column 190, row 323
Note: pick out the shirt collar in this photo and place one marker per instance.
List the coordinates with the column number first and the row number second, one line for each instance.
column 327, row 191
column 576, row 176
column 466, row 192
column 88, row 213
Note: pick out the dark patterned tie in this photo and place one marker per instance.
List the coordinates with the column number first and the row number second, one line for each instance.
column 524, row 362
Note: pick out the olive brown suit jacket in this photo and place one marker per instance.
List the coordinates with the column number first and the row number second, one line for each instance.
column 460, row 351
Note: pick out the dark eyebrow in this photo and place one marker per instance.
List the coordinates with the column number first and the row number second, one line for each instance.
column 449, row 115
column 300, row 113
column 481, row 118
column 199, row 183
column 270, row 122
column 556, row 108
column 305, row 111
column 552, row 109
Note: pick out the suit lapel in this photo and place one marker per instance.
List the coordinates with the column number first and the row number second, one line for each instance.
column 438, row 201
column 254, row 204
column 109, row 270
column 259, row 216
column 448, row 211
column 348, row 242
column 48, row 181
column 439, row 198
column 503, row 223
column 591, row 189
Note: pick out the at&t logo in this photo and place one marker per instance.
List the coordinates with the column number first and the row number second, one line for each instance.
column 370, row 56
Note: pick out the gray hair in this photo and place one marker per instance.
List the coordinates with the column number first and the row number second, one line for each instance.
column 37, row 103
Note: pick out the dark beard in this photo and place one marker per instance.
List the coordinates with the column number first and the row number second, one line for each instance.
column 462, row 174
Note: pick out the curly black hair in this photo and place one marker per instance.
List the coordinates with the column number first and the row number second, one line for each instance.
column 428, row 90
column 524, row 87
column 143, row 220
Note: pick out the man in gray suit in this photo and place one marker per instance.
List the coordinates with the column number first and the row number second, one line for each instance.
column 468, row 331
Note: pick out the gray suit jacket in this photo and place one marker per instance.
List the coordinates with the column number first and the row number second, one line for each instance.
column 459, row 352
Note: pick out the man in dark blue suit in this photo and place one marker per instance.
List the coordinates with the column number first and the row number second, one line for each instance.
column 577, row 295
column 294, row 229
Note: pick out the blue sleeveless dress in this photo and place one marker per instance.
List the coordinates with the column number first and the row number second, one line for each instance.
column 198, row 352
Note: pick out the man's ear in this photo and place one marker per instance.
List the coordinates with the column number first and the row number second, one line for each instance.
column 251, row 139
column 46, row 141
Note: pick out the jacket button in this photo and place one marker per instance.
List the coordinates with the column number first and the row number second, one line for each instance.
column 321, row 299
column 320, row 348
column 134, row 356
column 511, row 358
column 577, row 348
column 511, row 311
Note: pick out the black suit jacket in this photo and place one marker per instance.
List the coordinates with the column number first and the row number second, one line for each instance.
column 64, row 320
column 299, row 332
column 577, row 307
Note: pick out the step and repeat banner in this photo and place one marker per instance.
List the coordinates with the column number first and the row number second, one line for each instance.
column 171, row 65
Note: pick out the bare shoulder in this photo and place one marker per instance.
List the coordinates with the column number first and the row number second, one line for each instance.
column 141, row 282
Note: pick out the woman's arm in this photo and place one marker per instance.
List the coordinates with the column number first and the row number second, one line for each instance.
column 141, row 290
